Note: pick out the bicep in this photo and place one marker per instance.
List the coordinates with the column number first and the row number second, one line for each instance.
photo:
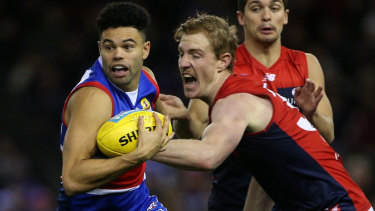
column 317, row 76
column 88, row 109
column 198, row 111
column 226, row 129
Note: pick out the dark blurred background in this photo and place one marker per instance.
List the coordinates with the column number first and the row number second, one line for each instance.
column 47, row 45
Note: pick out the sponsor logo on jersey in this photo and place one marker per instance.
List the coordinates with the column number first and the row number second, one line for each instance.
column 269, row 77
column 145, row 104
column 152, row 206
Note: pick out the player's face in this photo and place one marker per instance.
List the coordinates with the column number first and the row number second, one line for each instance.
column 263, row 20
column 198, row 65
column 123, row 50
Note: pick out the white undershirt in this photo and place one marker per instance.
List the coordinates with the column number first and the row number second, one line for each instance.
column 133, row 95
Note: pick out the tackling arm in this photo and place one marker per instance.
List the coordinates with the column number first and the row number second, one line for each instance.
column 231, row 117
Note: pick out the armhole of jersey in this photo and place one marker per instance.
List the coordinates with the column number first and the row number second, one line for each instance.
column 272, row 120
column 152, row 80
column 304, row 65
column 266, row 95
column 299, row 59
column 94, row 84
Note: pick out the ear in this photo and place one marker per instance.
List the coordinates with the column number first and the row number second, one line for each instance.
column 224, row 61
column 240, row 18
column 146, row 49
column 286, row 15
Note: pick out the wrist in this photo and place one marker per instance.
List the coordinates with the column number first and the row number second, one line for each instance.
column 135, row 157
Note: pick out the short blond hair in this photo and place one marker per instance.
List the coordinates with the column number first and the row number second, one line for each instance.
column 220, row 34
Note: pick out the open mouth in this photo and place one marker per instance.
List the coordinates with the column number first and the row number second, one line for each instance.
column 267, row 29
column 119, row 70
column 189, row 79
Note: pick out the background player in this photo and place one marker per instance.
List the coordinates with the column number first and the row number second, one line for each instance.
column 116, row 82
column 280, row 69
column 259, row 126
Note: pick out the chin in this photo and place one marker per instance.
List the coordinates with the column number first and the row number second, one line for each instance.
column 190, row 95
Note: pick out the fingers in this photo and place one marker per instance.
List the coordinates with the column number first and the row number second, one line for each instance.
column 297, row 92
column 310, row 85
column 166, row 124
column 318, row 95
column 318, row 92
column 158, row 123
column 141, row 124
column 168, row 138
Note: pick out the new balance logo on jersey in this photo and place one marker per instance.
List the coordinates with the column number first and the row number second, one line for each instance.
column 269, row 77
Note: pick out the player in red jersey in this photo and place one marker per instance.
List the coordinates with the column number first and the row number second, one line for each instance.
column 280, row 69
column 262, row 130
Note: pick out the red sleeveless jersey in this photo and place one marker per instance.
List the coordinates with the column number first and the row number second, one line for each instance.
column 288, row 72
column 290, row 159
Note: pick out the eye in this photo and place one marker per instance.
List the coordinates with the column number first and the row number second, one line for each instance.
column 108, row 47
column 129, row 46
column 275, row 8
column 255, row 9
column 196, row 56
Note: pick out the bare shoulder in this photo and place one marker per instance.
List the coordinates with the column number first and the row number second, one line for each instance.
column 315, row 70
column 253, row 110
column 149, row 71
column 88, row 103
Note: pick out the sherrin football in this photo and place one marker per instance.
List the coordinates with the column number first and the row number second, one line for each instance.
column 119, row 135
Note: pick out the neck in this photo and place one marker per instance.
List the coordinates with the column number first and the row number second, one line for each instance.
column 265, row 53
column 216, row 85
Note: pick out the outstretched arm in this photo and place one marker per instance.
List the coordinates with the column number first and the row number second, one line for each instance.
column 231, row 117
column 315, row 105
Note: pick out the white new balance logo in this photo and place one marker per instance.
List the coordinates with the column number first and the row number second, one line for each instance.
column 269, row 77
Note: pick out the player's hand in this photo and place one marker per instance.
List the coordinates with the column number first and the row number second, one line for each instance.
column 307, row 98
column 152, row 142
column 174, row 107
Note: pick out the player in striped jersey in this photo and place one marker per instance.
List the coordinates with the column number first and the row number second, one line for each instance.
column 116, row 82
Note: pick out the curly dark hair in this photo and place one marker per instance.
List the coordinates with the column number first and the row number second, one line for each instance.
column 242, row 3
column 123, row 14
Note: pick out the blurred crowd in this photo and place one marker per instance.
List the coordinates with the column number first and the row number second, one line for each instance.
column 47, row 45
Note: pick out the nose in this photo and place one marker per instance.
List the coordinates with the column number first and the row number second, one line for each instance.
column 266, row 15
column 118, row 54
column 183, row 61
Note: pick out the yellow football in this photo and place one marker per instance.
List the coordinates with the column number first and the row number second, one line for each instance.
column 119, row 135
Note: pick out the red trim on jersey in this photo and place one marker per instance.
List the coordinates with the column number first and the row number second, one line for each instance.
column 91, row 83
column 152, row 80
column 129, row 179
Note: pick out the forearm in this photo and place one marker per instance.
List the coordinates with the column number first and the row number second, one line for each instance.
column 89, row 174
column 188, row 128
column 187, row 154
column 324, row 124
